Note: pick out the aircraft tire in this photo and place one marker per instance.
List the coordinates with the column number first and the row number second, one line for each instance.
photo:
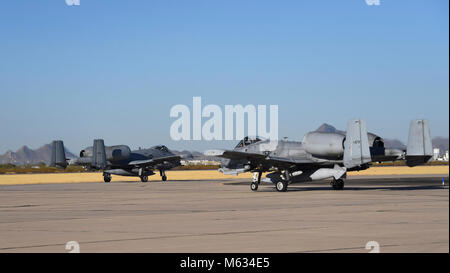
column 107, row 178
column 338, row 184
column 164, row 178
column 254, row 186
column 144, row 178
column 281, row 186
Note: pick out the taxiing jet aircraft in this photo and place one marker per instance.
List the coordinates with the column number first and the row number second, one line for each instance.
column 321, row 155
column 118, row 160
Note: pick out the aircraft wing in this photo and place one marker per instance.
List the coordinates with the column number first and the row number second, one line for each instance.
column 231, row 154
column 153, row 161
column 273, row 160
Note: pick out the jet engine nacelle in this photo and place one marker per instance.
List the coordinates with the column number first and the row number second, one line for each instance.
column 375, row 141
column 117, row 153
column 331, row 145
column 324, row 144
column 113, row 153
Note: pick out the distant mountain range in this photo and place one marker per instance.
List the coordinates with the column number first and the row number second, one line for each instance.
column 26, row 155
column 327, row 128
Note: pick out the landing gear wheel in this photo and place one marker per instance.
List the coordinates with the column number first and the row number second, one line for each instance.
column 144, row 178
column 338, row 184
column 163, row 175
column 106, row 177
column 256, row 180
column 282, row 186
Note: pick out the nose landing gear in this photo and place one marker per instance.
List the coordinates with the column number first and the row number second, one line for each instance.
column 163, row 175
column 256, row 181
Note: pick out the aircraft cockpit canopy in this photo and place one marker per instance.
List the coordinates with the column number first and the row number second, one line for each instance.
column 161, row 148
column 247, row 141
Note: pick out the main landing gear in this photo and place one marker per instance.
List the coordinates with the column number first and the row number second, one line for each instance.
column 163, row 175
column 144, row 178
column 282, row 185
column 256, row 181
column 107, row 177
column 337, row 184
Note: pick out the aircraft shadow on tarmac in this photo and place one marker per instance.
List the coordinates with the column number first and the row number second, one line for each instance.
column 410, row 184
column 152, row 182
column 391, row 188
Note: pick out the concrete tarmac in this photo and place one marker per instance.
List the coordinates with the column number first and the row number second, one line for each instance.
column 401, row 213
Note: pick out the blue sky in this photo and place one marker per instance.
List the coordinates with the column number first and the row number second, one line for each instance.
column 113, row 69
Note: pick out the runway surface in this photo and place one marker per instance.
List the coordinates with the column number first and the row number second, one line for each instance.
column 402, row 214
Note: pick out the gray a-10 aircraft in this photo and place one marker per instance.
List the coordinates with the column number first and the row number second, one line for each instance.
column 321, row 155
column 118, row 160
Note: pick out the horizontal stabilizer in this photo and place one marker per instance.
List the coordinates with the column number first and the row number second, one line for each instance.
column 419, row 149
column 356, row 145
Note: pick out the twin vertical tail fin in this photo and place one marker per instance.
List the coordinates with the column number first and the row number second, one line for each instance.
column 419, row 149
column 356, row 145
column 99, row 154
column 58, row 156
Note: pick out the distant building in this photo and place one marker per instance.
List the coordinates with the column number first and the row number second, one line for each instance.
column 435, row 153
column 443, row 157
